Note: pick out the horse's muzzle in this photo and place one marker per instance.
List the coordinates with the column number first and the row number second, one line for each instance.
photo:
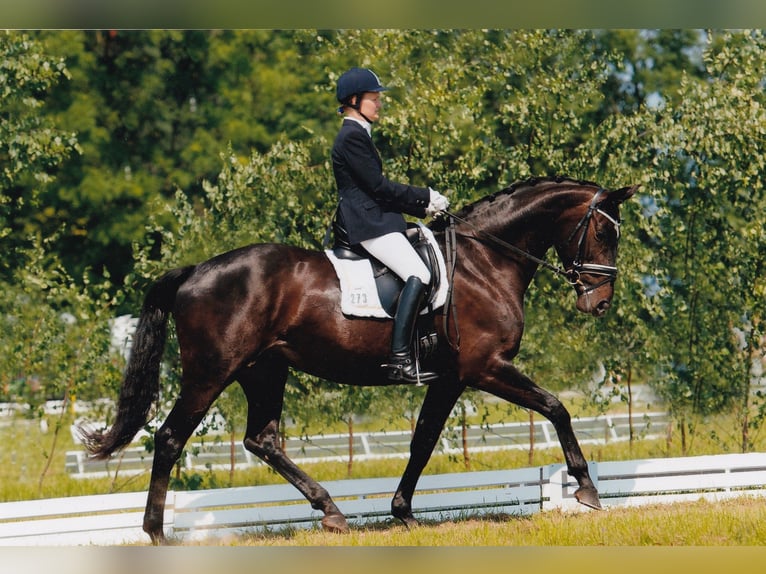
column 601, row 308
column 595, row 302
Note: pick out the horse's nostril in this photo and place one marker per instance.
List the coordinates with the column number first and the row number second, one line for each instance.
column 602, row 306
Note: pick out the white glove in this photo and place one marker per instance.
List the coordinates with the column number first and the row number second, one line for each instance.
column 437, row 203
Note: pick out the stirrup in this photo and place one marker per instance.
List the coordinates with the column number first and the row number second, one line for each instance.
column 402, row 368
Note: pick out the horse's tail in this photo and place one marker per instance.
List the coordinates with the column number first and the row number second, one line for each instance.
column 140, row 386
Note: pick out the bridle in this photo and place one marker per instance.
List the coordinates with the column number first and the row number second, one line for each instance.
column 608, row 272
column 574, row 273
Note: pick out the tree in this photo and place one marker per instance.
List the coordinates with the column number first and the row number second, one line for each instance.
column 55, row 344
column 153, row 110
column 31, row 148
column 200, row 141
column 695, row 260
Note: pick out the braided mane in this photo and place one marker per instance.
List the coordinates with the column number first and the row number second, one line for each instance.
column 439, row 224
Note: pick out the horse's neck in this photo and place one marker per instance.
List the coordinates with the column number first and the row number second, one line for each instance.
column 529, row 219
column 522, row 219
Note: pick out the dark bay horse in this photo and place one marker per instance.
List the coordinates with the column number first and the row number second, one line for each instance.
column 251, row 314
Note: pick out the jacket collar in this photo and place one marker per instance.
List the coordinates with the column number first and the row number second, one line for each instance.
column 366, row 125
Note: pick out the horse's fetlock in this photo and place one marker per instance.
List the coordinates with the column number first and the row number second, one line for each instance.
column 400, row 507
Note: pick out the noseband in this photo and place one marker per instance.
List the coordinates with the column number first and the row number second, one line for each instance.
column 608, row 272
column 574, row 274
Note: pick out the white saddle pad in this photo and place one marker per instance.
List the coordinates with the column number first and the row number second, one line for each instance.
column 359, row 295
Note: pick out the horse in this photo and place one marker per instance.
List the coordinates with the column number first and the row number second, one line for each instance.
column 253, row 313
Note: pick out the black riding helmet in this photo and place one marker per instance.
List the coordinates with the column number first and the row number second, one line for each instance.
column 355, row 82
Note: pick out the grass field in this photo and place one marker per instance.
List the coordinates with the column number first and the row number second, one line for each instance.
column 738, row 522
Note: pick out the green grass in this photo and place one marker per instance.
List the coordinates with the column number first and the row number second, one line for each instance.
column 737, row 522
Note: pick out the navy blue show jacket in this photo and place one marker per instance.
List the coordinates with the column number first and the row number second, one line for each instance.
column 369, row 204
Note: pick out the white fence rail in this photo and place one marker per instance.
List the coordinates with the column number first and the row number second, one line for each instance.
column 217, row 453
column 199, row 515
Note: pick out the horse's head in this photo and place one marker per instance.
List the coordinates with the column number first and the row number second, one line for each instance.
column 588, row 248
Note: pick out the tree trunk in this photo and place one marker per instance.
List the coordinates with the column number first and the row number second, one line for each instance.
column 56, row 432
column 631, row 433
column 531, row 436
column 745, row 417
column 350, row 445
column 745, row 432
column 466, row 454
column 752, row 341
column 232, row 456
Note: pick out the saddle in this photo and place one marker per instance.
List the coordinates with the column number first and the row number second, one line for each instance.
column 389, row 285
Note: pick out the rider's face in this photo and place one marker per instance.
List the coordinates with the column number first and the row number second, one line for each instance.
column 371, row 105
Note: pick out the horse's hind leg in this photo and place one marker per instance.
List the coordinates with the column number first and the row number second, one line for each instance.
column 169, row 441
column 264, row 387
column 521, row 390
column 440, row 399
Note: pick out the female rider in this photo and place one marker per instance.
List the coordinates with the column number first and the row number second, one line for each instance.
column 371, row 209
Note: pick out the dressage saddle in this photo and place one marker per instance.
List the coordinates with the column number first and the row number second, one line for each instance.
column 389, row 284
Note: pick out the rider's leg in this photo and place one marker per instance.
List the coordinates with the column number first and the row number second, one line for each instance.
column 397, row 254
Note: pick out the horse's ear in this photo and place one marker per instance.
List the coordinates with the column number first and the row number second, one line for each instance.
column 620, row 195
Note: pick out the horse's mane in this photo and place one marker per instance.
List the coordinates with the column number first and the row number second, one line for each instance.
column 532, row 182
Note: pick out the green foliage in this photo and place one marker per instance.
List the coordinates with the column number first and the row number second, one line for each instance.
column 56, row 337
column 55, row 344
column 28, row 145
column 695, row 259
column 190, row 143
column 709, row 198
column 31, row 147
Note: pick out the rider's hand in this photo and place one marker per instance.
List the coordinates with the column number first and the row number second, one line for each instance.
column 437, row 203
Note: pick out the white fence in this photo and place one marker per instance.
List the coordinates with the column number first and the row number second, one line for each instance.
column 200, row 515
column 218, row 453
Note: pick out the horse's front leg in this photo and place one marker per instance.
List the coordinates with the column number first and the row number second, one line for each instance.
column 519, row 389
column 440, row 399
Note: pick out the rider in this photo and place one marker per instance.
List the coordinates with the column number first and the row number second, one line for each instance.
column 370, row 209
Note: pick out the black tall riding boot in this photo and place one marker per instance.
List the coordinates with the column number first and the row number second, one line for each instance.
column 401, row 365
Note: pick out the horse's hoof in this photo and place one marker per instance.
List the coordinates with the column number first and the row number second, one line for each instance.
column 156, row 534
column 589, row 497
column 335, row 523
column 409, row 521
column 158, row 539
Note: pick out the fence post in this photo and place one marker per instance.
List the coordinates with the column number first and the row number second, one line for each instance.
column 552, row 486
column 169, row 518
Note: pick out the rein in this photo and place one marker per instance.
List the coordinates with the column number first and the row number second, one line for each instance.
column 450, row 252
column 510, row 247
column 573, row 275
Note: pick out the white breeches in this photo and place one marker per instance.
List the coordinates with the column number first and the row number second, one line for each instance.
column 394, row 251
